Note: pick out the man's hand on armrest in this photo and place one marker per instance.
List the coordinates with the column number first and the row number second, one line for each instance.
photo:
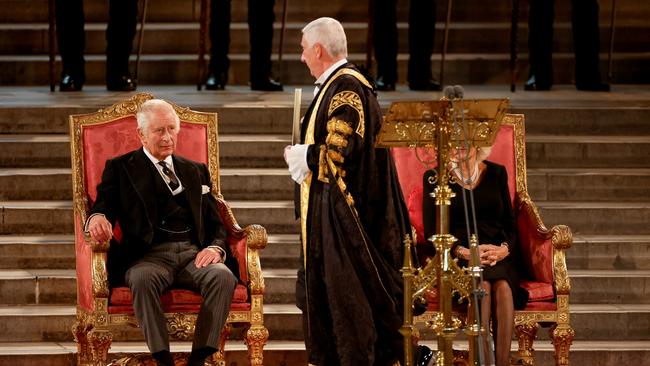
column 99, row 228
column 209, row 255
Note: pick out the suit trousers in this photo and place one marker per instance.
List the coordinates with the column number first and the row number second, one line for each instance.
column 586, row 41
column 119, row 35
column 260, row 27
column 172, row 263
column 421, row 36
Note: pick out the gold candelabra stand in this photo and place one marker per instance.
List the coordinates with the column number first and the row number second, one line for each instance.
column 440, row 126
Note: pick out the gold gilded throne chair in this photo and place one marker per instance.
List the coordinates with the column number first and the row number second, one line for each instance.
column 103, row 312
column 542, row 248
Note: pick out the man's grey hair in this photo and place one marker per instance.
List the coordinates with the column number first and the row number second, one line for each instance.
column 148, row 108
column 329, row 33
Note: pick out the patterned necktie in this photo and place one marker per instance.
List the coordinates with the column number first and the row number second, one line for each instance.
column 173, row 182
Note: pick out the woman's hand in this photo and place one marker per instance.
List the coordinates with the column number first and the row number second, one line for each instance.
column 491, row 254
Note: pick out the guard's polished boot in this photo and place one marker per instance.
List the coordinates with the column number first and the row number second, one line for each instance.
column 596, row 87
column 69, row 82
column 384, row 85
column 267, row 84
column 536, row 85
column 216, row 81
column 121, row 82
column 425, row 85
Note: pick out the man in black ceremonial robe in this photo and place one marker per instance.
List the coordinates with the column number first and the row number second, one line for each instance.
column 353, row 216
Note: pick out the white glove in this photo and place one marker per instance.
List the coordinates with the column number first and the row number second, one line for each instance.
column 296, row 158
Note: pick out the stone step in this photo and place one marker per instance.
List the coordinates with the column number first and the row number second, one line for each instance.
column 282, row 252
column 24, row 217
column 183, row 37
column 52, row 286
column 544, row 151
column 596, row 286
column 35, row 184
column 460, row 68
column 567, row 155
column 57, row 252
column 580, row 116
column 37, row 286
column 609, row 252
column 36, row 217
column 37, row 252
column 58, row 286
column 588, row 252
column 624, row 218
column 54, row 217
column 563, row 111
column 244, row 114
column 34, row 151
column 253, row 151
column 603, row 353
column 593, row 322
column 591, row 184
column 595, row 184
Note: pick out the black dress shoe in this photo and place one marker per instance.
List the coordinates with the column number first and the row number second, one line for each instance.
column 426, row 84
column 216, row 81
column 71, row 83
column 266, row 85
column 384, row 85
column 424, row 356
column 596, row 87
column 533, row 85
column 123, row 82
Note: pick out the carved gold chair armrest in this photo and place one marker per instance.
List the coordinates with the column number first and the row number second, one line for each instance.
column 543, row 251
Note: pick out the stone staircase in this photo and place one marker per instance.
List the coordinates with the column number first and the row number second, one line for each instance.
column 478, row 41
column 587, row 168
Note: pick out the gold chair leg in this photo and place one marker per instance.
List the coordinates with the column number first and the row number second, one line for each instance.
column 256, row 337
column 80, row 333
column 100, row 342
column 526, row 334
column 562, row 338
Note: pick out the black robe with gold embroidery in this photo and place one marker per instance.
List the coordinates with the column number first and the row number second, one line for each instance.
column 354, row 221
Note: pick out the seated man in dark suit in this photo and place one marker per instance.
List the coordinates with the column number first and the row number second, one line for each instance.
column 119, row 41
column 172, row 233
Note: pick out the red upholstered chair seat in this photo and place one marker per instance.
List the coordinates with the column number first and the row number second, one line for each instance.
column 174, row 300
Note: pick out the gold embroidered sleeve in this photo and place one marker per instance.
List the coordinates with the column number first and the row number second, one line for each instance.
column 336, row 142
column 350, row 99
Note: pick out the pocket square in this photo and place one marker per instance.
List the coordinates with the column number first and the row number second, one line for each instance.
column 205, row 189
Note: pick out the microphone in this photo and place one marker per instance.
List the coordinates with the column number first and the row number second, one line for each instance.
column 459, row 91
column 449, row 92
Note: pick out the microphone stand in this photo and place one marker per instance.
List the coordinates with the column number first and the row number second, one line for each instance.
column 483, row 337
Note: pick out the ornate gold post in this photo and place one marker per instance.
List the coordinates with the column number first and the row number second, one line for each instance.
column 443, row 243
column 407, row 326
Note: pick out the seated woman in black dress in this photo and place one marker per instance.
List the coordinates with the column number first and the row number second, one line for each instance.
column 497, row 235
